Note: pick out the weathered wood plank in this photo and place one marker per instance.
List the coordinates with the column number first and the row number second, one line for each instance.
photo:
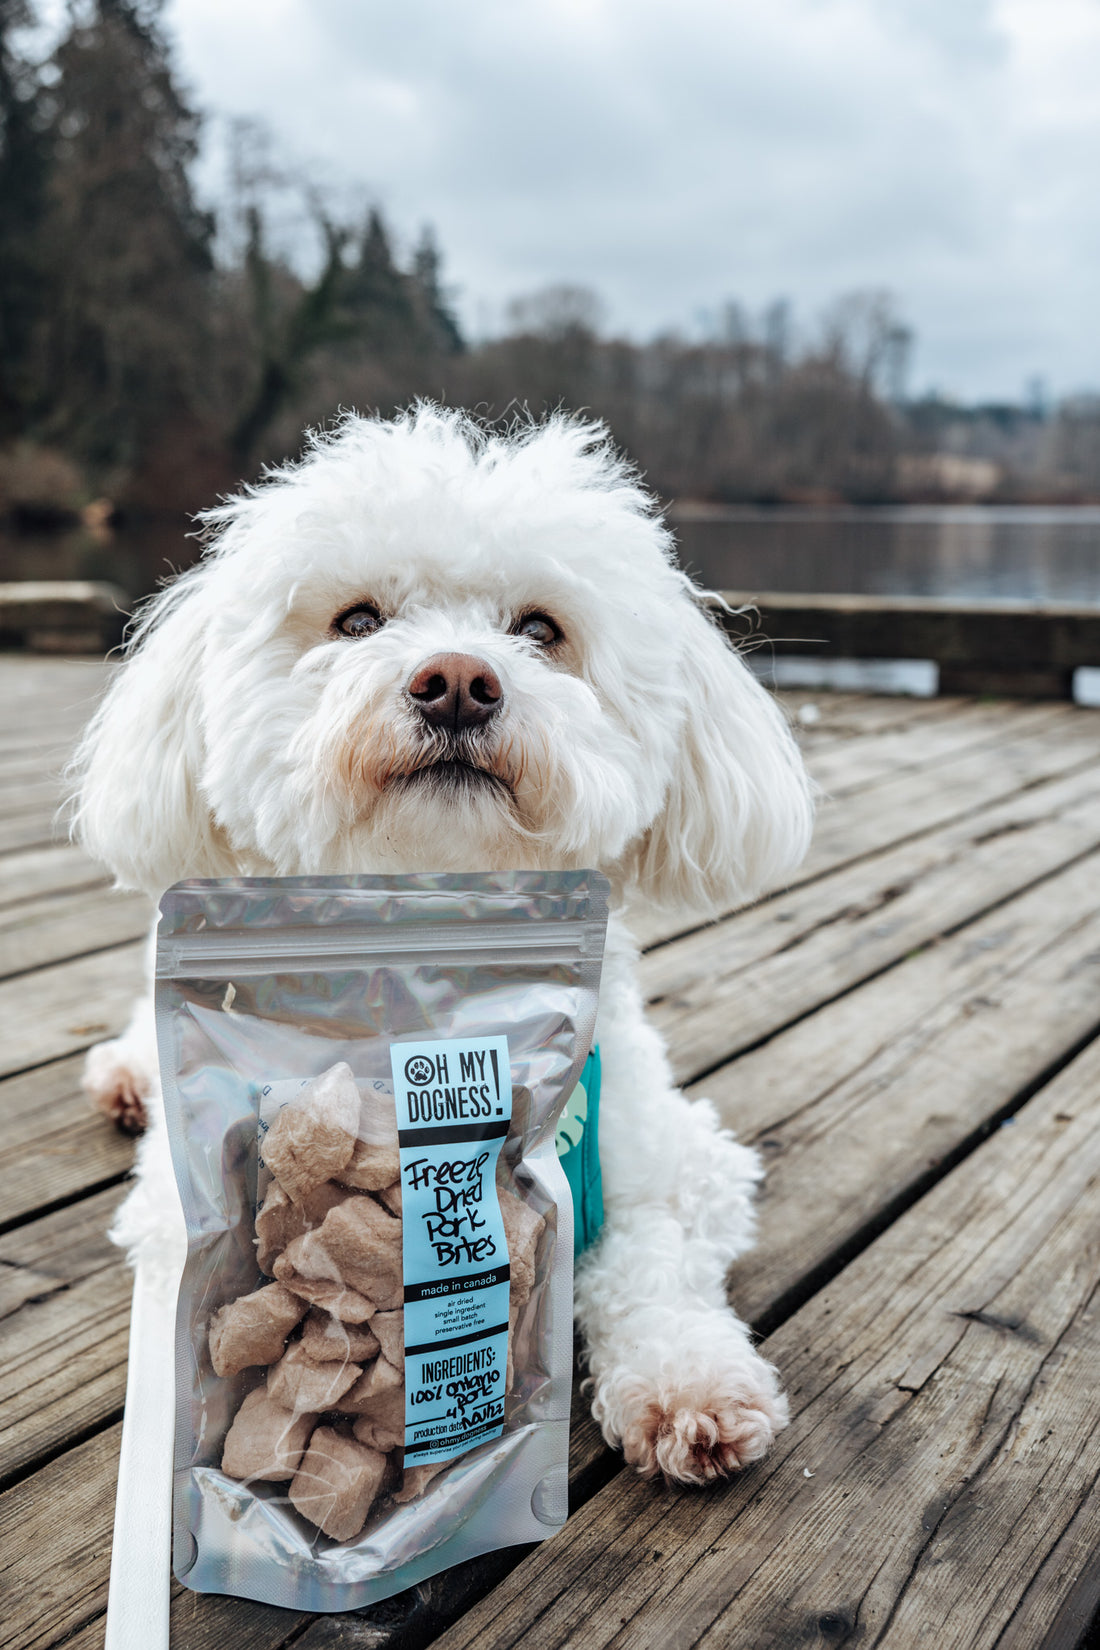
column 53, row 1145
column 42, row 931
column 65, row 1308
column 841, row 769
column 44, row 761
column 1006, row 637
column 911, row 803
column 845, row 716
column 858, row 1106
column 58, row 1011
column 719, row 991
column 943, row 1443
column 37, row 828
column 59, row 869
column 206, row 1622
column 64, row 615
column 55, row 1538
column 29, row 794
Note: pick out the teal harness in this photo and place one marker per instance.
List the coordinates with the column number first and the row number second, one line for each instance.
column 578, row 1143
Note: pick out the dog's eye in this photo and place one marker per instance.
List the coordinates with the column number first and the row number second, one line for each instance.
column 537, row 628
column 358, row 621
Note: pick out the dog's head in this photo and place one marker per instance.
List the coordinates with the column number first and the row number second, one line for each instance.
column 431, row 647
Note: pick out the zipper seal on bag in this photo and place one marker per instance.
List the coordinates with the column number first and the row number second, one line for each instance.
column 547, row 940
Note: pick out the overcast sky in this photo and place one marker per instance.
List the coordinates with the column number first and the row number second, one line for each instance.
column 674, row 154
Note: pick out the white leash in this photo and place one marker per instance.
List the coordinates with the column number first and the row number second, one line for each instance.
column 137, row 1604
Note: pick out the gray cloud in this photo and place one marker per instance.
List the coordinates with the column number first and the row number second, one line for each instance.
column 676, row 153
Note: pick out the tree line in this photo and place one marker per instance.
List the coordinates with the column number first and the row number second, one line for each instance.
column 150, row 356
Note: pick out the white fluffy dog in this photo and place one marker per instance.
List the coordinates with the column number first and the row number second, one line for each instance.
column 430, row 647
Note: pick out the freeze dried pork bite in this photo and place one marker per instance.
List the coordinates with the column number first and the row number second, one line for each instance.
column 307, row 1271
column 281, row 1220
column 362, row 1244
column 299, row 1384
column 253, row 1329
column 265, row 1440
column 522, row 1227
column 382, row 1423
column 389, row 1327
column 390, row 1198
column 415, row 1480
column 337, row 1483
column 326, row 1340
column 371, row 1167
column 314, row 1136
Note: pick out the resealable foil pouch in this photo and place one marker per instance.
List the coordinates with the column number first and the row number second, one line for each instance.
column 362, row 1077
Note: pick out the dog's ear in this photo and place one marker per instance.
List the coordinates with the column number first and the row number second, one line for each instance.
column 136, row 800
column 738, row 813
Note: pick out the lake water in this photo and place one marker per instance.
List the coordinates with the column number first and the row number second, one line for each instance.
column 973, row 553
column 1035, row 554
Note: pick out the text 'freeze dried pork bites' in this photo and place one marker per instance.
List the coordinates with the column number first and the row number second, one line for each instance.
column 330, row 1420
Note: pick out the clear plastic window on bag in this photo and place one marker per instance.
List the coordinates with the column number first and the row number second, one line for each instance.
column 363, row 1078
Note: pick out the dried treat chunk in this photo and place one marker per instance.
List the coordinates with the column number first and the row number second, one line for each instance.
column 380, row 1378
column 378, row 1115
column 307, row 1270
column 390, row 1198
column 281, row 1220
column 522, row 1228
column 337, row 1483
column 265, row 1440
column 371, row 1167
column 415, row 1480
column 381, row 1417
column 390, row 1330
column 362, row 1243
column 299, row 1384
column 326, row 1340
column 314, row 1136
column 253, row 1329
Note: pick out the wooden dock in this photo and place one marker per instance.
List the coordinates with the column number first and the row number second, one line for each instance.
column 910, row 1034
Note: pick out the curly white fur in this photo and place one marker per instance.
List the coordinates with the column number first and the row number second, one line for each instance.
column 246, row 735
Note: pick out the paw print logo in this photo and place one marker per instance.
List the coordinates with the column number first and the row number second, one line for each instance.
column 419, row 1070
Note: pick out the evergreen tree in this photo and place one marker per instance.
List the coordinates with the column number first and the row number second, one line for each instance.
column 24, row 173
column 441, row 324
column 376, row 295
column 287, row 334
column 129, row 244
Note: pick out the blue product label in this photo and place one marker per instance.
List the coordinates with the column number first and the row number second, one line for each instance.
column 454, row 1106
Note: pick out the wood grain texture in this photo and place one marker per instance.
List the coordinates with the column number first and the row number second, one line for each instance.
column 65, row 1310
column 39, row 932
column 61, row 868
column 857, row 1107
column 55, row 1546
column 842, row 769
column 37, row 827
column 943, row 1443
column 861, row 818
column 58, row 1011
column 728, row 986
column 53, row 1146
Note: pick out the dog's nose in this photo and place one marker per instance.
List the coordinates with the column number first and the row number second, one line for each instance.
column 455, row 690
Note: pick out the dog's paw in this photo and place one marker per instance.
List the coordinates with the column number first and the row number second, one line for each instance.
column 697, row 1434
column 694, row 1414
column 117, row 1084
